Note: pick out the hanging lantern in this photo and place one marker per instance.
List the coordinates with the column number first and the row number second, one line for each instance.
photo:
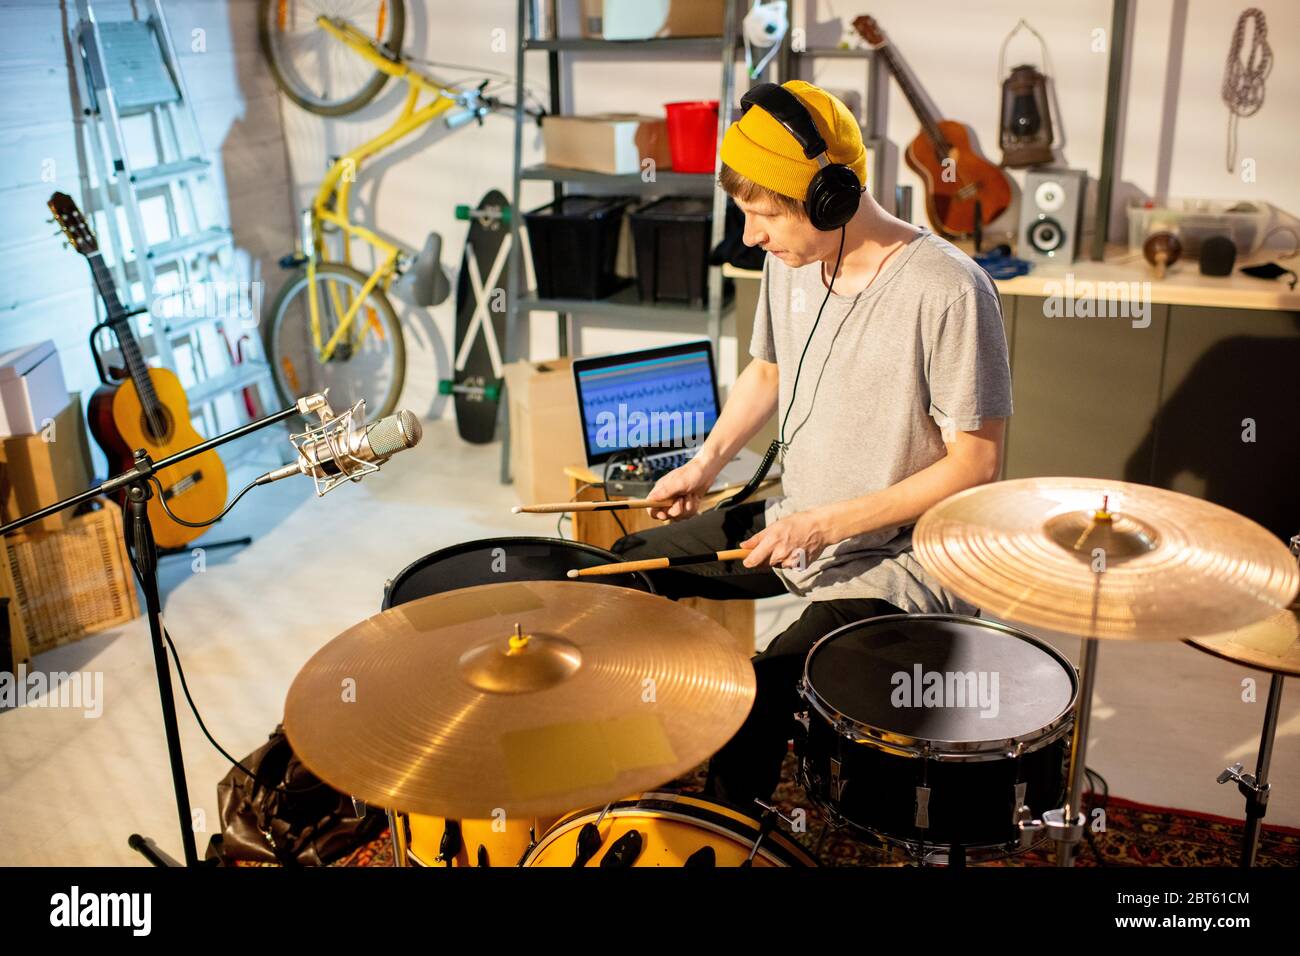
column 1026, row 118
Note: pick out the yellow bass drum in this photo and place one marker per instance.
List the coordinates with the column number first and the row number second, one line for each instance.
column 665, row 829
column 435, row 841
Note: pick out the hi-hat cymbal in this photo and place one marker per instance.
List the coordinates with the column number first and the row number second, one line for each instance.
column 1272, row 644
column 528, row 697
column 1154, row 565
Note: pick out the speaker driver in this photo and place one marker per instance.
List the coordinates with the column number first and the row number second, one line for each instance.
column 1046, row 235
column 1049, row 196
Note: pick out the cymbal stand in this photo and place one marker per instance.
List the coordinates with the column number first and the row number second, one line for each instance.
column 1255, row 787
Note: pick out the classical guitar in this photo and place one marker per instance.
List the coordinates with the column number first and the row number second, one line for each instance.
column 956, row 176
column 147, row 410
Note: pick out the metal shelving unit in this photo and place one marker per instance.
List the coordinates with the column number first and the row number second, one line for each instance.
column 623, row 304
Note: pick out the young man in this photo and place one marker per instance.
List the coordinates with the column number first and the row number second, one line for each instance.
column 903, row 388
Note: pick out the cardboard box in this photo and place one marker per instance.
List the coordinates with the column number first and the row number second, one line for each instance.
column 38, row 470
column 606, row 142
column 648, row 19
column 545, row 434
column 32, row 389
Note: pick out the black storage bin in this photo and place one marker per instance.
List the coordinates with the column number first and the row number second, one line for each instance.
column 671, row 237
column 574, row 242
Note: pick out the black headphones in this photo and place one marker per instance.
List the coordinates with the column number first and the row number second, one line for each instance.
column 834, row 193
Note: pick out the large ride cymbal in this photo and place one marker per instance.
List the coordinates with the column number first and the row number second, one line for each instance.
column 1154, row 565
column 1272, row 644
column 441, row 707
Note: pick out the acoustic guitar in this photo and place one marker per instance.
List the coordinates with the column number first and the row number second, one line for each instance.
column 148, row 410
column 943, row 154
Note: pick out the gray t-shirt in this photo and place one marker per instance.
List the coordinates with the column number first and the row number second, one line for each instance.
column 919, row 350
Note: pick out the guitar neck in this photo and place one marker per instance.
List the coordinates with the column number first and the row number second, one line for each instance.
column 121, row 324
column 929, row 122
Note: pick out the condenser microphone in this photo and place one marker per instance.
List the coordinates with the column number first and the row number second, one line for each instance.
column 333, row 455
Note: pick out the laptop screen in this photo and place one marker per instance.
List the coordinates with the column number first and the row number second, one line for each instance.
column 656, row 399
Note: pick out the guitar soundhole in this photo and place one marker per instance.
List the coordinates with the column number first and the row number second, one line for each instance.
column 157, row 427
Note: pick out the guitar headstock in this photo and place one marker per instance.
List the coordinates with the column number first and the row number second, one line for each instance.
column 870, row 31
column 73, row 223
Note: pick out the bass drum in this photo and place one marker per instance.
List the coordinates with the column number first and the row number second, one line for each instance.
column 936, row 732
column 435, row 841
column 666, row 828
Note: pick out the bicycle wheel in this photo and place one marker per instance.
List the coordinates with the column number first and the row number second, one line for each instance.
column 369, row 363
column 314, row 69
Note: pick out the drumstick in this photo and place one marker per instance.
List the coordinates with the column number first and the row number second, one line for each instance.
column 628, row 504
column 651, row 564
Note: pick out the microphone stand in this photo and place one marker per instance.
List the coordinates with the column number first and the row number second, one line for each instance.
column 138, row 532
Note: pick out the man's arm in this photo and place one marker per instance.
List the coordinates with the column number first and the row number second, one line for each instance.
column 973, row 458
column 751, row 403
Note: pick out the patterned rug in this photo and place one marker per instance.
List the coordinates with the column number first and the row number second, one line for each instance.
column 1136, row 835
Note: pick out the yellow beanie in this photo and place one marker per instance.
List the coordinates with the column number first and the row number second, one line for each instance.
column 762, row 150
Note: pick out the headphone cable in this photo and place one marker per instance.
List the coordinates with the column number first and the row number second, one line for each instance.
column 778, row 445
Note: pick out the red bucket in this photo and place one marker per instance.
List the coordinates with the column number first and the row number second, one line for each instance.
column 693, row 135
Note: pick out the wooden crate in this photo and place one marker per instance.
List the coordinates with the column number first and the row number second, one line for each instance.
column 71, row 583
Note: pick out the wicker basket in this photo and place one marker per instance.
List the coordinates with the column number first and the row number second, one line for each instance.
column 73, row 582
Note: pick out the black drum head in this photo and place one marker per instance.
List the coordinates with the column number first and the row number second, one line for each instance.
column 941, row 678
column 498, row 560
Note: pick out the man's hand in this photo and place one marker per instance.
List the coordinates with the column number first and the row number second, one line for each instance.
column 792, row 542
column 684, row 487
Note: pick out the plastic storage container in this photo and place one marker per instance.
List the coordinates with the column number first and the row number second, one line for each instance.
column 574, row 242
column 671, row 238
column 1195, row 220
column 693, row 135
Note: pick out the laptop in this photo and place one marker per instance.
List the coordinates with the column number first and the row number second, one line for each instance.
column 663, row 401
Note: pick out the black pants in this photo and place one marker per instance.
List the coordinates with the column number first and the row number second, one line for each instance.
column 749, row 766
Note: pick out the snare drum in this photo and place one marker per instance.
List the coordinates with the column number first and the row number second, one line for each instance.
column 434, row 841
column 667, row 828
column 936, row 732
column 496, row 560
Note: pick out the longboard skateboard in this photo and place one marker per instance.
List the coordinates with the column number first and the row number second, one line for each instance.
column 480, row 319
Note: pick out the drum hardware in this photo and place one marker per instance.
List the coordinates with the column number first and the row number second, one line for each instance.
column 589, row 839
column 451, row 843
column 922, row 817
column 765, row 823
column 837, row 784
column 1037, row 552
column 1018, row 804
column 1272, row 645
column 624, row 851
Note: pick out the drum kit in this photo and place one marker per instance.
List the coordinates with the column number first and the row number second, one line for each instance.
column 506, row 714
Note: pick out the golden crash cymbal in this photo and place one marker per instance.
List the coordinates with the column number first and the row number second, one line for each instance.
column 1107, row 559
column 528, row 698
column 1272, row 644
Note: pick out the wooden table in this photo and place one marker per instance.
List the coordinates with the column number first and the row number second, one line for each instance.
column 600, row 529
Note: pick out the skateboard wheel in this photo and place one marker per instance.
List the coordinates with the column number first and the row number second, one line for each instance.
column 492, row 392
column 462, row 212
column 445, row 386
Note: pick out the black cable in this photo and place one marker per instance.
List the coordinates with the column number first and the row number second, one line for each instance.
column 839, row 258
column 180, row 672
column 604, row 486
column 778, row 444
column 200, row 524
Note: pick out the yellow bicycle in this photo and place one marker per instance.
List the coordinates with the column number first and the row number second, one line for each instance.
column 331, row 325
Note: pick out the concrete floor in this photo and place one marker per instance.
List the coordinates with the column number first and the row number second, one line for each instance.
column 1167, row 718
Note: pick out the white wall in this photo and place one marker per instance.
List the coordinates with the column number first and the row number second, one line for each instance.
column 46, row 290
